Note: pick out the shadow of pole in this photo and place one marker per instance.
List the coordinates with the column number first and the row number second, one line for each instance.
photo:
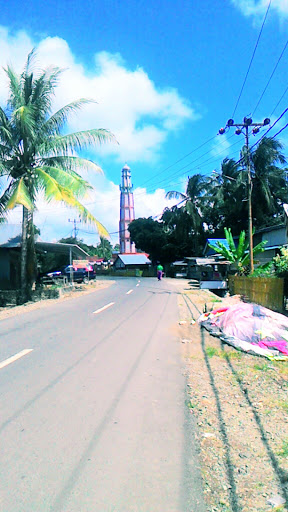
column 280, row 473
column 228, row 463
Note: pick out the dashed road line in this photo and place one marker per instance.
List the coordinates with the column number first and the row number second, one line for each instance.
column 128, row 293
column 103, row 309
column 15, row 357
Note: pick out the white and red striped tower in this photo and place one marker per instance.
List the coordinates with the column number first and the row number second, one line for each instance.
column 127, row 213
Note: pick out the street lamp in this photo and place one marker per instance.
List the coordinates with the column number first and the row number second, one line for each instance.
column 244, row 128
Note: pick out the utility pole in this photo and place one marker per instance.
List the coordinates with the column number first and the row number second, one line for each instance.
column 244, row 129
column 75, row 222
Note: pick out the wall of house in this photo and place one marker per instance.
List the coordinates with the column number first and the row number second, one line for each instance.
column 275, row 237
column 266, row 256
column 4, row 264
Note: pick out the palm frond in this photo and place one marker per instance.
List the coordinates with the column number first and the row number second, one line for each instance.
column 173, row 194
column 15, row 98
column 57, row 192
column 73, row 181
column 59, row 119
column 72, row 163
column 61, row 145
column 19, row 195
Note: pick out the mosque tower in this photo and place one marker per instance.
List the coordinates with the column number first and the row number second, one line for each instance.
column 127, row 213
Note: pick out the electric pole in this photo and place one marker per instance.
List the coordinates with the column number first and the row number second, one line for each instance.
column 244, row 129
column 75, row 222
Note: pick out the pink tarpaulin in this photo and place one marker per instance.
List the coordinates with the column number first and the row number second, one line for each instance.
column 251, row 328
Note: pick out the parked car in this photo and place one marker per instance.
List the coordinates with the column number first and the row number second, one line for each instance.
column 77, row 275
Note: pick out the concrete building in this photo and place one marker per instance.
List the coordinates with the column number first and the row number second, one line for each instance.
column 127, row 213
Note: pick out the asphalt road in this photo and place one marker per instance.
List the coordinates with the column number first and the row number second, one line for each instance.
column 93, row 415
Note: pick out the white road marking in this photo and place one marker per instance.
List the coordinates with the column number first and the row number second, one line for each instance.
column 128, row 293
column 103, row 309
column 137, row 284
column 14, row 358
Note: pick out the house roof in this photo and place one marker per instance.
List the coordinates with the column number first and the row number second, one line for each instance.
column 134, row 259
column 206, row 261
column 10, row 238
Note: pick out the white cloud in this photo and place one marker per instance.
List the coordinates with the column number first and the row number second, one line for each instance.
column 220, row 147
column 140, row 114
column 257, row 8
column 103, row 202
column 130, row 105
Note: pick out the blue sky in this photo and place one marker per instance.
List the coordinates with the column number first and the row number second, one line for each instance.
column 166, row 77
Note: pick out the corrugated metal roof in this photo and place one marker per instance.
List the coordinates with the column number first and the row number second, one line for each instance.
column 134, row 259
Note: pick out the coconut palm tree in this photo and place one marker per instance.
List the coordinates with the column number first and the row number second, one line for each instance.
column 192, row 199
column 269, row 178
column 36, row 158
column 223, row 203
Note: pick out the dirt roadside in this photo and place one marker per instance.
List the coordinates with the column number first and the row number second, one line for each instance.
column 240, row 405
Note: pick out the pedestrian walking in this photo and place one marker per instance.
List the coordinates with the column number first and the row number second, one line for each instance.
column 159, row 272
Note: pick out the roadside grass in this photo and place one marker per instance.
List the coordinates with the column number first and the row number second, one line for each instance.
column 284, row 450
column 212, row 351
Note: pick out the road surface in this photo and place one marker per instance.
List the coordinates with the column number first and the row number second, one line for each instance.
column 93, row 415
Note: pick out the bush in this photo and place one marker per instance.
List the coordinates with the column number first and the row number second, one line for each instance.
column 281, row 263
column 265, row 270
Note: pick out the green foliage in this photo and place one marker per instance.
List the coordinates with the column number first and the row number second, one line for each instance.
column 281, row 263
column 284, row 450
column 265, row 270
column 211, row 351
column 238, row 255
column 35, row 157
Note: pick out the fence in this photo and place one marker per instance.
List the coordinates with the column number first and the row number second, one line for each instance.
column 268, row 292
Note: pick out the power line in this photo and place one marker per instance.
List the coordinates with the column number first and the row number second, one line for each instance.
column 270, row 78
column 252, row 58
column 282, row 129
column 270, row 128
column 180, row 160
column 279, row 101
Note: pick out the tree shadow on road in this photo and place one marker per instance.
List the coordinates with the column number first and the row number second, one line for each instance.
column 235, row 506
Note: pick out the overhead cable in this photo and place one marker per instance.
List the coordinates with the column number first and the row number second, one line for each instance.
column 270, row 78
column 252, row 58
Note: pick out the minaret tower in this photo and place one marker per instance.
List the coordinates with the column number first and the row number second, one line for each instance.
column 126, row 212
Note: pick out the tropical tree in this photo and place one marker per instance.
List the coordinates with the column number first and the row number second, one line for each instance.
column 36, row 158
column 223, row 203
column 104, row 249
column 192, row 199
column 238, row 255
column 270, row 185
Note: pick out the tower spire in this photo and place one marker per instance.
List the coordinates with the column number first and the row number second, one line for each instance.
column 127, row 213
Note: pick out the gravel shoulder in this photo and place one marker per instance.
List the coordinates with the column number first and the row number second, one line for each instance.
column 240, row 405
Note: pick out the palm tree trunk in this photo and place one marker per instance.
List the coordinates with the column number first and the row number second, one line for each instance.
column 31, row 255
column 23, row 274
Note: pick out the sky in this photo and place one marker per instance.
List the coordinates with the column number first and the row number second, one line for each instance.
column 166, row 76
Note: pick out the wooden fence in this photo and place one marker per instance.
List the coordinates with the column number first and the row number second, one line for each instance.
column 268, row 292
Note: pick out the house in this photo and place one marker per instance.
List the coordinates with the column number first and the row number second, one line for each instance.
column 132, row 261
column 206, row 269
column 275, row 237
column 10, row 247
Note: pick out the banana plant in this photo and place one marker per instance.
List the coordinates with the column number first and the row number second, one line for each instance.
column 237, row 255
